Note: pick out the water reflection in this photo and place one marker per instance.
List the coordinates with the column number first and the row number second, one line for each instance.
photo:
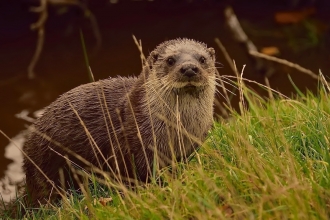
column 14, row 173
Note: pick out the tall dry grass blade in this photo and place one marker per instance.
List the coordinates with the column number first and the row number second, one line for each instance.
column 140, row 137
column 323, row 80
column 270, row 94
column 83, row 188
column 262, row 86
column 229, row 61
column 90, row 138
column 106, row 114
column 139, row 46
column 241, row 86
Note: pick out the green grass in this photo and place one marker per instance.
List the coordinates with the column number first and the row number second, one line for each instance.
column 270, row 162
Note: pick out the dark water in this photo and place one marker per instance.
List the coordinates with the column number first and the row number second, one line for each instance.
column 62, row 67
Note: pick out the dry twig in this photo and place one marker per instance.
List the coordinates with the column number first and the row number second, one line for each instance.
column 287, row 63
column 260, row 65
column 40, row 27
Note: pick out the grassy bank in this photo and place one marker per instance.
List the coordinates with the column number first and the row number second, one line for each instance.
column 270, row 162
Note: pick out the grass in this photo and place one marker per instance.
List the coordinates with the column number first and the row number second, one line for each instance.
column 269, row 162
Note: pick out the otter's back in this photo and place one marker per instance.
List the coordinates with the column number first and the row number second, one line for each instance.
column 75, row 121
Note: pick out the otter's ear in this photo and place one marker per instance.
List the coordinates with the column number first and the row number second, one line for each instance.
column 211, row 52
column 152, row 59
column 154, row 56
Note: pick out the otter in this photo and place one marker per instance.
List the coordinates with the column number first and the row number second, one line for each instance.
column 123, row 125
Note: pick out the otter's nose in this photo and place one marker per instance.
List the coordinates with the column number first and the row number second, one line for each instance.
column 189, row 70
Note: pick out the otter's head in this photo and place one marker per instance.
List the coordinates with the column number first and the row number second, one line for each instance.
column 182, row 65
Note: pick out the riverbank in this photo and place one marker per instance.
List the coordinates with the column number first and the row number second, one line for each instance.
column 271, row 161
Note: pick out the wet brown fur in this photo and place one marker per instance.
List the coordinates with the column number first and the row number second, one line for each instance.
column 143, row 120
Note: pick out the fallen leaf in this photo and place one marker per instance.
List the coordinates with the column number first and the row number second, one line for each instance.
column 271, row 51
column 104, row 201
column 227, row 210
column 293, row 17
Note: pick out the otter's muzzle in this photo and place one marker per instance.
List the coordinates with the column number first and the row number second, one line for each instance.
column 189, row 70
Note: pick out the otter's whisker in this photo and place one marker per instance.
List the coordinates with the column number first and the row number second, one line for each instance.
column 231, row 83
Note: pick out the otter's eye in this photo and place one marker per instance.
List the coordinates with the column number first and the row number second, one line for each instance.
column 170, row 61
column 202, row 60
